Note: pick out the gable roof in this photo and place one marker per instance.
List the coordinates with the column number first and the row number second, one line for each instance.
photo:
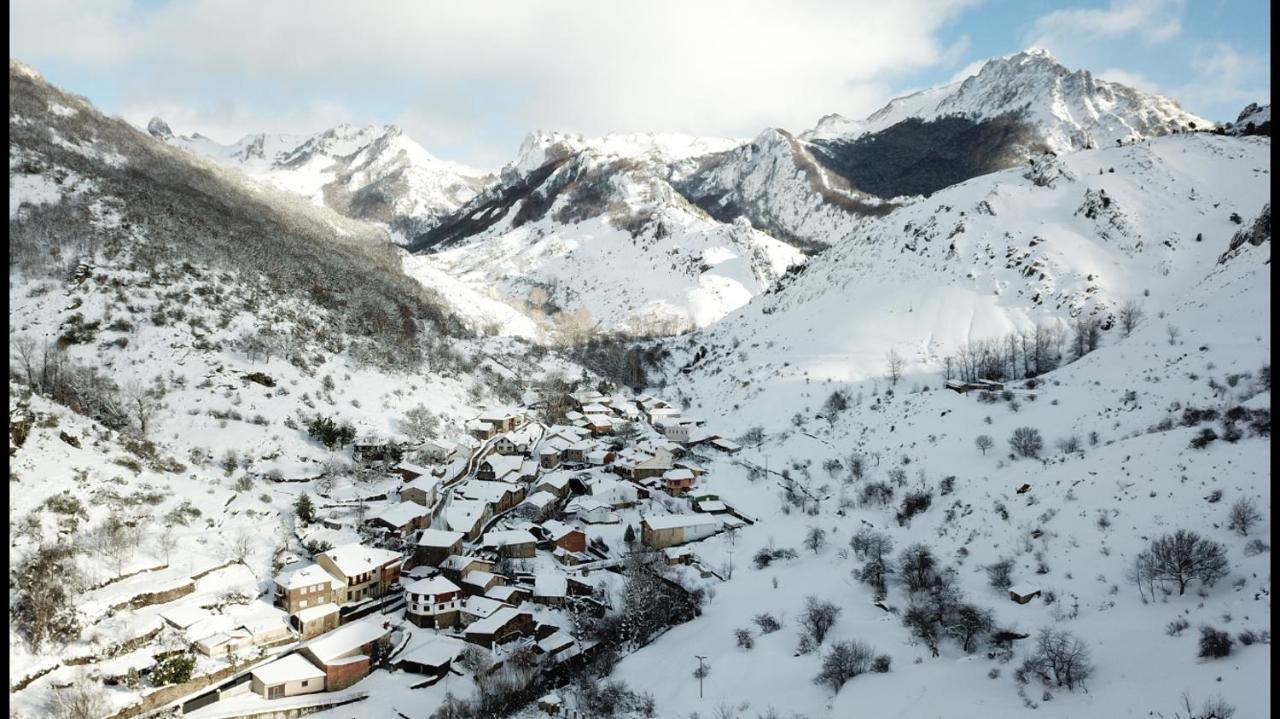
column 291, row 668
column 432, row 586
column 670, row 521
column 504, row 537
column 402, row 513
column 353, row 559
column 346, row 639
column 495, row 621
column 439, row 538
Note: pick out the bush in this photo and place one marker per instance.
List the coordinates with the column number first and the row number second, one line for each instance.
column 914, row 503
column 1176, row 627
column 845, row 661
column 1214, row 643
column 1250, row 637
column 174, row 670
column 1026, row 442
column 745, row 640
column 881, row 664
column 998, row 574
column 767, row 622
column 1202, row 440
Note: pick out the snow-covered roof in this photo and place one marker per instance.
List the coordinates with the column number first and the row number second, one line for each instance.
column 414, row 468
column 346, row 639
column 481, row 606
column 402, row 513
column 305, row 576
column 485, row 491
column 501, row 593
column 434, row 651
column 462, row 514
column 557, row 529
column 556, row 481
column 477, row 424
column 460, row 561
column 499, row 414
column 1023, row 589
column 494, row 622
column 426, row 483
column 503, row 464
column 595, row 409
column 670, row 521
column 555, row 642
column 585, row 504
column 432, row 587
column 677, row 475
column 540, row 499
column 504, row 537
column 353, row 559
column 311, row 614
column 550, row 584
column 290, row 668
column 439, row 538
column 478, row 577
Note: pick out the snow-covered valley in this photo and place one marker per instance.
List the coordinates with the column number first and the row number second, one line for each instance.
column 646, row 425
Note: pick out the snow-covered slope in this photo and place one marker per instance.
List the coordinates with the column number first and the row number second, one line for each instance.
column 1003, row 252
column 776, row 183
column 370, row 173
column 1069, row 110
column 1117, row 468
column 596, row 225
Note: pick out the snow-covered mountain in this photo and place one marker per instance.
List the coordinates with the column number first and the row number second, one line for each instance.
column 369, row 173
column 1069, row 110
column 1254, row 119
column 594, row 224
column 1074, row 235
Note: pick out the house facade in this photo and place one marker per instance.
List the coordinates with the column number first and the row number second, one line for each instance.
column 433, row 602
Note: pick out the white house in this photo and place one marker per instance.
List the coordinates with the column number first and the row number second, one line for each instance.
column 288, row 676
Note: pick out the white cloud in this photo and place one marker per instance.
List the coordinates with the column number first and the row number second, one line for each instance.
column 1224, row 76
column 1153, row 21
column 728, row 67
column 1132, row 79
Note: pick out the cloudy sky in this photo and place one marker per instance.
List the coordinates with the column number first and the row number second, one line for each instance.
column 469, row 79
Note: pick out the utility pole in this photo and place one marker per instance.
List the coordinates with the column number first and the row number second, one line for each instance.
column 701, row 673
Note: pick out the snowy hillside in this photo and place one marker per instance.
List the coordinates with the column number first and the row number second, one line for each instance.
column 1069, row 110
column 1073, row 235
column 1117, row 468
column 368, row 173
column 595, row 226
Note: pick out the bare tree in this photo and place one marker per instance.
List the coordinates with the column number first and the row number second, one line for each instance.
column 1026, row 441
column 817, row 618
column 1130, row 314
column 166, row 542
column 141, row 403
column 1183, row 557
column 1244, row 514
column 984, row 442
column 1213, row 708
column 893, row 366
column 83, row 699
column 815, row 539
column 1060, row 656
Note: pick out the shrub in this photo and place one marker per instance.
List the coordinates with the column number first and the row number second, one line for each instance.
column 745, row 640
column 914, row 503
column 845, row 661
column 1214, row 643
column 1176, row 627
column 1202, row 440
column 767, row 622
column 881, row 664
column 1250, row 637
column 998, row 574
column 174, row 670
